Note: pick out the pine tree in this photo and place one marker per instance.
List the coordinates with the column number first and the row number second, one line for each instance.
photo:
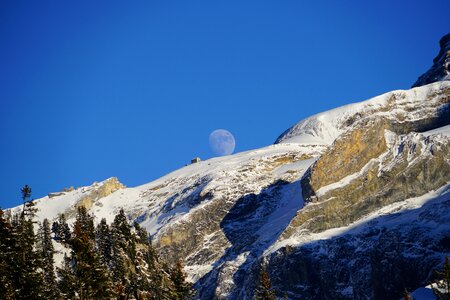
column 142, row 235
column 442, row 287
column 67, row 283
column 119, row 258
column 61, row 230
column 157, row 283
column 26, row 194
column 124, row 252
column 264, row 290
column 25, row 276
column 45, row 247
column 125, row 239
column 93, row 280
column 6, row 285
column 140, row 281
column 181, row 288
column 103, row 242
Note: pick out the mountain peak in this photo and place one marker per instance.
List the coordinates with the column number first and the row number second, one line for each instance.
column 440, row 70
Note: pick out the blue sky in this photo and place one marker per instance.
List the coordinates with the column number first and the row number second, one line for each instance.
column 94, row 89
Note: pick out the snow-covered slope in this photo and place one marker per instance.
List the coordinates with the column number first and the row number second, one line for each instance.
column 402, row 106
column 174, row 195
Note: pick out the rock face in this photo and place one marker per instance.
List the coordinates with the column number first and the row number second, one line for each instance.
column 99, row 191
column 374, row 260
column 374, row 163
column 352, row 203
column 441, row 65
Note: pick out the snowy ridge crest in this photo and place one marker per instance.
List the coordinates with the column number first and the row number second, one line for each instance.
column 400, row 106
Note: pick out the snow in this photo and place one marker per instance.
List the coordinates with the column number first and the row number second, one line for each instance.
column 325, row 127
column 51, row 207
column 291, row 201
column 404, row 212
column 442, row 130
column 346, row 180
column 163, row 201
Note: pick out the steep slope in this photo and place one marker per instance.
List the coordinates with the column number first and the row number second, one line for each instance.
column 440, row 70
column 376, row 161
column 395, row 247
column 418, row 109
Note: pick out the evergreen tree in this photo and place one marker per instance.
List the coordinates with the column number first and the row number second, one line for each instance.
column 124, row 252
column 67, row 283
column 6, row 285
column 61, row 230
column 93, row 280
column 264, row 290
column 26, row 194
column 119, row 258
column 103, row 242
column 45, row 247
column 25, row 276
column 142, row 235
column 181, row 288
column 117, row 253
column 156, row 283
column 442, row 287
column 140, row 281
column 122, row 231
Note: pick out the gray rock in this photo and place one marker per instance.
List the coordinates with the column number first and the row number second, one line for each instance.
column 440, row 70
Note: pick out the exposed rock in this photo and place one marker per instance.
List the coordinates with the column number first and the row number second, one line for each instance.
column 52, row 195
column 411, row 166
column 349, row 180
column 348, row 155
column 69, row 189
column 107, row 187
column 374, row 260
column 441, row 65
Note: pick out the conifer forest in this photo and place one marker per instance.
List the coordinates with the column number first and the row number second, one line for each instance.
column 107, row 261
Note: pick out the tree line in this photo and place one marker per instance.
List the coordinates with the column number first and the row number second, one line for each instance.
column 107, row 261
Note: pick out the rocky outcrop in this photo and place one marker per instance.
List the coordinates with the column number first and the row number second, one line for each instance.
column 376, row 259
column 350, row 179
column 404, row 166
column 441, row 65
column 99, row 191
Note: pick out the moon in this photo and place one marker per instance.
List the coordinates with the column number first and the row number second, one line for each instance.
column 222, row 142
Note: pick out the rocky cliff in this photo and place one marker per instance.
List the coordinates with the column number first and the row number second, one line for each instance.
column 441, row 65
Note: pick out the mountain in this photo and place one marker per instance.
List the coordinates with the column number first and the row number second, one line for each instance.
column 441, row 65
column 352, row 203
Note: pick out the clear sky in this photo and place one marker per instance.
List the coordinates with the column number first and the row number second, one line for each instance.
column 94, row 89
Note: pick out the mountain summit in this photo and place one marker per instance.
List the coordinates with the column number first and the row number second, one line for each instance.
column 441, row 65
column 352, row 203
